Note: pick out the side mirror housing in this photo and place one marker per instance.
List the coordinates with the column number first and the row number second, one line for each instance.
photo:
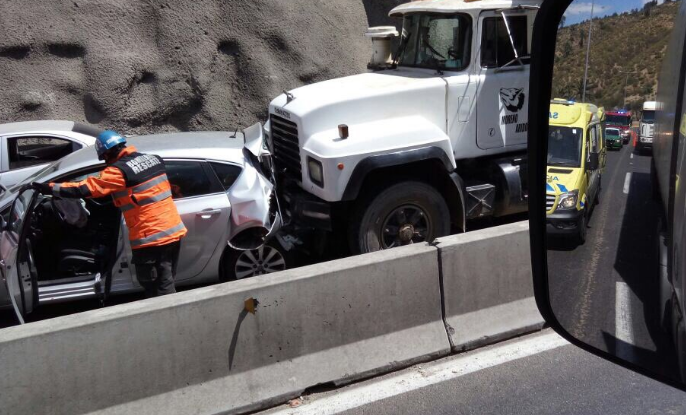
column 593, row 162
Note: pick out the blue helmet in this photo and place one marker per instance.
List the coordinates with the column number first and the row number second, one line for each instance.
column 107, row 140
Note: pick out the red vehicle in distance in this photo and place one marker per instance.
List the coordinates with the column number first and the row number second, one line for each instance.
column 620, row 119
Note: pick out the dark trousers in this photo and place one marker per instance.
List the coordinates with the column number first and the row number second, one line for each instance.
column 156, row 268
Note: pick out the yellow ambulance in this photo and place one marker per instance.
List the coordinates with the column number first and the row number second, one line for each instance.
column 576, row 159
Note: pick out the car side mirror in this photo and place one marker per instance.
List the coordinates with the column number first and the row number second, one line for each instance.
column 593, row 162
column 609, row 274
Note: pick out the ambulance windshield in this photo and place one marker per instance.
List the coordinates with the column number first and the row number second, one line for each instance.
column 564, row 146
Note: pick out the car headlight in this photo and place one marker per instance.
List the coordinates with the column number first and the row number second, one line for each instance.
column 314, row 168
column 568, row 200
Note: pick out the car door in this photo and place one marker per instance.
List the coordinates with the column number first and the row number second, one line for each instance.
column 15, row 261
column 24, row 154
column 593, row 175
column 205, row 210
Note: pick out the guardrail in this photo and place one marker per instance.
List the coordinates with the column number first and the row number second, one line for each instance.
column 203, row 351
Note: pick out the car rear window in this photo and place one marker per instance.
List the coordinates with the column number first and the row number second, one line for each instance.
column 227, row 173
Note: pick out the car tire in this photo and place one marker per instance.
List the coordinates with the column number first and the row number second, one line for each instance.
column 236, row 265
column 581, row 234
column 404, row 213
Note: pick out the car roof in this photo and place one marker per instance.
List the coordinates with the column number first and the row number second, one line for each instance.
column 453, row 6
column 203, row 145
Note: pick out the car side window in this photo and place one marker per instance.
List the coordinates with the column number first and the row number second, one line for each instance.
column 496, row 50
column 190, row 178
column 226, row 173
column 31, row 151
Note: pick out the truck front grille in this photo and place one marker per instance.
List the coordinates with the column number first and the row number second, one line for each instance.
column 549, row 202
column 286, row 148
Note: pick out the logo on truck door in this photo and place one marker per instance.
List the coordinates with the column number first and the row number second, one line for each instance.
column 513, row 100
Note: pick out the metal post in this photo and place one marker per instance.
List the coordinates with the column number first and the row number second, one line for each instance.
column 626, row 79
column 588, row 51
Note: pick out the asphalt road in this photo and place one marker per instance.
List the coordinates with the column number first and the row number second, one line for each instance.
column 605, row 292
column 516, row 377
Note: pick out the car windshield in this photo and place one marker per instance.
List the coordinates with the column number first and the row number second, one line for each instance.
column 564, row 146
column 612, row 132
column 435, row 41
column 618, row 119
column 648, row 116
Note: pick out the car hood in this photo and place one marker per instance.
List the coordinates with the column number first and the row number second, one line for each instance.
column 562, row 179
column 255, row 216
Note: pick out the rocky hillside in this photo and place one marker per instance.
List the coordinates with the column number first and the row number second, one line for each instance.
column 632, row 42
column 153, row 65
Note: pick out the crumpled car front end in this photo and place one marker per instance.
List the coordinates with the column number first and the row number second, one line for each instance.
column 255, row 213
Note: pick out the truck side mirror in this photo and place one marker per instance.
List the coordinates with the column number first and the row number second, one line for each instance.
column 593, row 162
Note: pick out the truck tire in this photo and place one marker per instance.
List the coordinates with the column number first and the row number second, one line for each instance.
column 404, row 213
column 581, row 235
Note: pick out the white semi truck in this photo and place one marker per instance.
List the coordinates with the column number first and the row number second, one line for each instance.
column 432, row 136
column 646, row 126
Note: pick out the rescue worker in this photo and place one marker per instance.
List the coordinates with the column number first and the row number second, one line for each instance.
column 140, row 189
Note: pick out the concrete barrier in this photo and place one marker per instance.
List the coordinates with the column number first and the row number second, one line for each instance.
column 200, row 352
column 487, row 285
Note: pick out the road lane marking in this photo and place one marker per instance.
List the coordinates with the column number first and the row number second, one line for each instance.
column 424, row 375
column 624, row 331
column 632, row 155
column 627, row 183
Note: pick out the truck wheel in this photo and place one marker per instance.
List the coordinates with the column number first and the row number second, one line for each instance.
column 404, row 213
column 581, row 235
column 236, row 265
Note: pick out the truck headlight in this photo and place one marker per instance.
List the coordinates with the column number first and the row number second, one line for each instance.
column 568, row 200
column 314, row 168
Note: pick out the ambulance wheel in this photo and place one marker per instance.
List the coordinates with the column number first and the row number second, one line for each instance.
column 581, row 235
column 401, row 214
column 236, row 265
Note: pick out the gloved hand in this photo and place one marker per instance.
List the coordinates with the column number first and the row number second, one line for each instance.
column 43, row 188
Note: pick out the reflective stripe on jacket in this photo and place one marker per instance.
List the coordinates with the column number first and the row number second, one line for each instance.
column 139, row 186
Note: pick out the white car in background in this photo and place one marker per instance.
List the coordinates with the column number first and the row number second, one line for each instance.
column 26, row 147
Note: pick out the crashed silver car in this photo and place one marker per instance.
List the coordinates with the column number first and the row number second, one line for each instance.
column 54, row 250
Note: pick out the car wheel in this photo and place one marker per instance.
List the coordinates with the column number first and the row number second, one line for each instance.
column 236, row 265
column 404, row 213
column 581, row 235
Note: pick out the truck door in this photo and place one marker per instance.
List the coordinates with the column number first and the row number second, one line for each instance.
column 16, row 262
column 593, row 176
column 502, row 97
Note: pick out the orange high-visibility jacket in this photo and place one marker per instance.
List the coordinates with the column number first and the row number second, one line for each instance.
column 139, row 186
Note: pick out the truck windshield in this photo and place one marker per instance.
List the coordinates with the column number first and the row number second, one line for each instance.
column 564, row 146
column 648, row 117
column 435, row 41
column 618, row 120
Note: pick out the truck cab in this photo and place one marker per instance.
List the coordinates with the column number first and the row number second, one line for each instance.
column 434, row 134
column 576, row 158
column 647, row 126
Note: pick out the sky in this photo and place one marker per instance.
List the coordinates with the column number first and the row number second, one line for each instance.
column 580, row 10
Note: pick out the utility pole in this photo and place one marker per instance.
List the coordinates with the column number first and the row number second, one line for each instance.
column 588, row 52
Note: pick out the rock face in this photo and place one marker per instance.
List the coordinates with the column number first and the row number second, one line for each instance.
column 155, row 65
